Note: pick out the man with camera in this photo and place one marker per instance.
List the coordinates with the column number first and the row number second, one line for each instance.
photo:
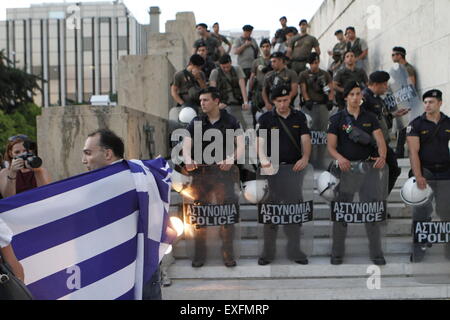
column 247, row 50
column 25, row 169
column 280, row 76
column 354, row 135
column 260, row 68
column 317, row 91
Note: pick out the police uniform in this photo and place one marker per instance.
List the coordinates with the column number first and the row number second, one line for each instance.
column 281, row 186
column 375, row 105
column 351, row 182
column 344, row 76
column 188, row 87
column 301, row 46
column 212, row 44
column 283, row 78
column 434, row 157
column 318, row 108
column 358, row 47
column 230, row 91
column 260, row 68
column 224, row 183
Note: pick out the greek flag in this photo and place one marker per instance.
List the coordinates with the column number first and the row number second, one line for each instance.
column 96, row 236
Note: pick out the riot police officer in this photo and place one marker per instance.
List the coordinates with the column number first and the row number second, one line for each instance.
column 378, row 86
column 364, row 141
column 224, row 184
column 294, row 149
column 428, row 142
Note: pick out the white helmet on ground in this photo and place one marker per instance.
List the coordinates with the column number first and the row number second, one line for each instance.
column 413, row 196
column 255, row 191
column 187, row 114
column 327, row 185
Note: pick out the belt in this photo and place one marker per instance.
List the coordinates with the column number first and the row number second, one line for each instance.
column 438, row 167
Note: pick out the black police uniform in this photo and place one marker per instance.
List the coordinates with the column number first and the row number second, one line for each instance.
column 281, row 186
column 374, row 104
column 353, row 181
column 224, row 182
column 434, row 157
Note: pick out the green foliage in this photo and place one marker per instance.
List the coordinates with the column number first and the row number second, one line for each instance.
column 16, row 86
column 20, row 121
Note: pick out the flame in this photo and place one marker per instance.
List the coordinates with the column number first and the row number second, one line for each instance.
column 178, row 225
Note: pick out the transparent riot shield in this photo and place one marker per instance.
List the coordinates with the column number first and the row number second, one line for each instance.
column 320, row 159
column 431, row 236
column 285, row 215
column 403, row 95
column 211, row 215
column 358, row 214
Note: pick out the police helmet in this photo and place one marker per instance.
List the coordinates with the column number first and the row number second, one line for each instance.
column 187, row 114
column 255, row 191
column 413, row 196
column 327, row 185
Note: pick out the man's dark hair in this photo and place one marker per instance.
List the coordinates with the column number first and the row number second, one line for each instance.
column 283, row 18
column 215, row 93
column 350, row 28
column 338, row 32
column 347, row 52
column 303, row 21
column 265, row 41
column 400, row 50
column 226, row 58
column 291, row 30
column 313, row 57
column 204, row 25
column 215, row 24
column 200, row 44
column 109, row 140
column 197, row 60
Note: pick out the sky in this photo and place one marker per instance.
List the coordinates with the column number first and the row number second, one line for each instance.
column 231, row 14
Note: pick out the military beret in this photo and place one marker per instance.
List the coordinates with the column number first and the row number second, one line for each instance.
column 350, row 86
column 433, row 94
column 281, row 91
column 379, row 77
column 303, row 21
column 247, row 27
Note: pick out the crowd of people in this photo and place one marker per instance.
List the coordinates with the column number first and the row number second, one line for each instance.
column 280, row 80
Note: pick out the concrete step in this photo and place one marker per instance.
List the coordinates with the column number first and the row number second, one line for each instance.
column 321, row 247
column 303, row 289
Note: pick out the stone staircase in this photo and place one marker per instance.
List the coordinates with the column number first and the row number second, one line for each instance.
column 318, row 280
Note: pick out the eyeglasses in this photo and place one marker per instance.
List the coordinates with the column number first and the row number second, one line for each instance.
column 20, row 136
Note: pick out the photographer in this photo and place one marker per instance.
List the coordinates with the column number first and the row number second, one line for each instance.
column 24, row 172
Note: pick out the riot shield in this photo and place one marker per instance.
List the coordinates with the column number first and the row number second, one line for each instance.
column 285, row 216
column 358, row 214
column 431, row 236
column 211, row 215
column 403, row 95
column 320, row 115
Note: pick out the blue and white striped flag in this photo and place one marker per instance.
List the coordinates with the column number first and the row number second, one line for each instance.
column 99, row 235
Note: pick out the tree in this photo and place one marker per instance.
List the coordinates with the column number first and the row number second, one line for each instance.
column 16, row 86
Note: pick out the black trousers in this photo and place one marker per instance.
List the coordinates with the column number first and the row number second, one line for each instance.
column 394, row 169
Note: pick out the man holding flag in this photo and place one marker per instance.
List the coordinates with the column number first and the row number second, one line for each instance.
column 96, row 236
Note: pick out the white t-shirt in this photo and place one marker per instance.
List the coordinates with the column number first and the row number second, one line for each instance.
column 5, row 234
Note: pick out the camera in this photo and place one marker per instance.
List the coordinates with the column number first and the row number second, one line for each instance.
column 29, row 157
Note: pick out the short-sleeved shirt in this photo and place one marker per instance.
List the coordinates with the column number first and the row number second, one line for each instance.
column 315, row 82
column 226, row 121
column 297, row 124
column 433, row 150
column 375, row 104
column 278, row 78
column 212, row 44
column 345, row 75
column 258, row 67
column 302, row 46
column 246, row 58
column 349, row 149
column 411, row 70
column 340, row 47
column 229, row 90
column 188, row 87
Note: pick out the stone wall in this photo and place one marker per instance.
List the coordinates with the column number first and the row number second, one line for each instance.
column 420, row 26
column 68, row 128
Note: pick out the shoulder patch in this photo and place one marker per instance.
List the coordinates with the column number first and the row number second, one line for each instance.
column 409, row 129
